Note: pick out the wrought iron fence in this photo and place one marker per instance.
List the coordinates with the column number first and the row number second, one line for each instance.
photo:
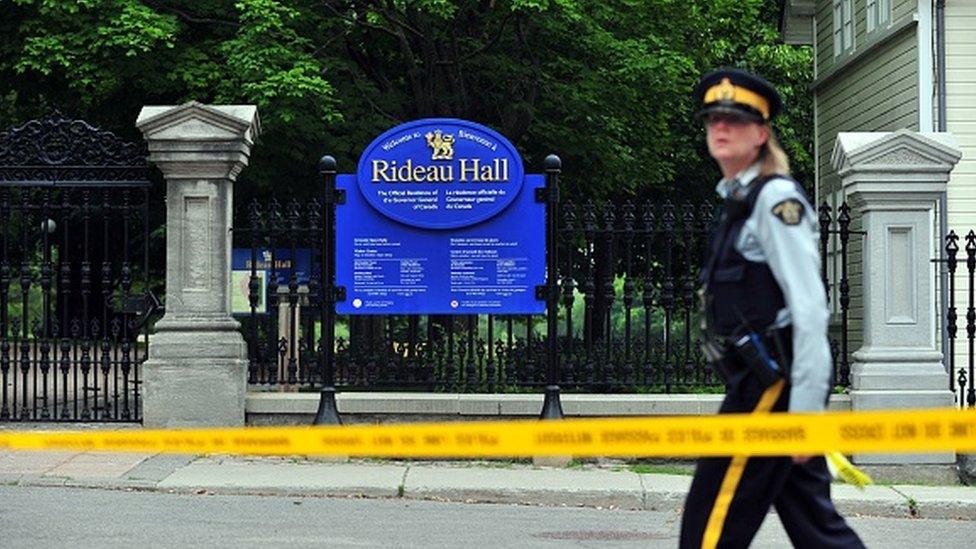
column 628, row 310
column 74, row 273
column 835, row 238
column 962, row 381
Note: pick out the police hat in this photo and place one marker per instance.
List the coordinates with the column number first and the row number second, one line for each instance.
column 736, row 91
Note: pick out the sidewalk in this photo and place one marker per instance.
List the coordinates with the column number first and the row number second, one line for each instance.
column 494, row 482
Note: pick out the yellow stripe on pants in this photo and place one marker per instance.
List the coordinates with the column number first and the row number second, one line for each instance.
column 716, row 520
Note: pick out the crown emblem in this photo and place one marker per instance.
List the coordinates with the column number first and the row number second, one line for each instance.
column 725, row 90
column 267, row 255
column 789, row 211
column 442, row 145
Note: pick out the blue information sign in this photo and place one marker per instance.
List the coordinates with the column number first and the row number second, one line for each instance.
column 283, row 266
column 440, row 218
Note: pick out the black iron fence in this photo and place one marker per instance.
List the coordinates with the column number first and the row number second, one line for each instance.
column 628, row 313
column 835, row 240
column 74, row 273
column 962, row 381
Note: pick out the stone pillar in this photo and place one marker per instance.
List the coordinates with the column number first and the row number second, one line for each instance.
column 894, row 181
column 196, row 374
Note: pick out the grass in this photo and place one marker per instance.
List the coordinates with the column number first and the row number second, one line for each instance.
column 913, row 507
column 659, row 469
column 500, row 463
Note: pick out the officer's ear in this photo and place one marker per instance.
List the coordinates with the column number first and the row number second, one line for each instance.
column 764, row 134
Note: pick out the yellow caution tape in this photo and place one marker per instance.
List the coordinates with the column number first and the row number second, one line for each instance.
column 754, row 434
column 843, row 469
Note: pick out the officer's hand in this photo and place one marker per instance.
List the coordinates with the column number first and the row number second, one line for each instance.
column 800, row 460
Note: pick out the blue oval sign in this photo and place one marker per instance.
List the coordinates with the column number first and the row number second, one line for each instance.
column 440, row 173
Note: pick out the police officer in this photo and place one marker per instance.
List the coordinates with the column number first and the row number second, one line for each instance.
column 765, row 323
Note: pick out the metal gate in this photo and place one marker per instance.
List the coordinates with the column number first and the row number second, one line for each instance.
column 75, row 280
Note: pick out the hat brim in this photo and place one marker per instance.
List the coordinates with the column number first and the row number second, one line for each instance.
column 731, row 108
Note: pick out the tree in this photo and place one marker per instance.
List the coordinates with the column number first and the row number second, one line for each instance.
column 605, row 84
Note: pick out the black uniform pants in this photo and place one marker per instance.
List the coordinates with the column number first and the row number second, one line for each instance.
column 730, row 497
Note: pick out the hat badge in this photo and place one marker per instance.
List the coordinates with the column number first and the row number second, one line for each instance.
column 725, row 91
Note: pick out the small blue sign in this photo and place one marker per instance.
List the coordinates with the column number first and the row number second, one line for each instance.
column 283, row 264
column 440, row 219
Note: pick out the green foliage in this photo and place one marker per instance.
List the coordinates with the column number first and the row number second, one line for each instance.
column 34, row 311
column 610, row 94
column 661, row 469
column 270, row 64
column 618, row 315
column 94, row 45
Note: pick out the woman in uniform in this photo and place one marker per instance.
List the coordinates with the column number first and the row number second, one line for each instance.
column 765, row 322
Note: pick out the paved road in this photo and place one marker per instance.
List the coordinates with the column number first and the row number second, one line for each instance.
column 70, row 517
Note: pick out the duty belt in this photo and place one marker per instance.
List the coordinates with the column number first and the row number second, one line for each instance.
column 768, row 355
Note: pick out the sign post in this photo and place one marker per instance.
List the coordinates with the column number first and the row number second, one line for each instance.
column 328, row 412
column 552, row 406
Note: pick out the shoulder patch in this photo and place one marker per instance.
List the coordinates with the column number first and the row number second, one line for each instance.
column 789, row 211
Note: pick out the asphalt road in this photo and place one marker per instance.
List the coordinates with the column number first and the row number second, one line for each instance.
column 68, row 517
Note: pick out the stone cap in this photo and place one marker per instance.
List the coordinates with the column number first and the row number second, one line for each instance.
column 197, row 141
column 899, row 152
column 194, row 121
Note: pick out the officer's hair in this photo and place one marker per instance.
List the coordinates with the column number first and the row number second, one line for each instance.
column 773, row 157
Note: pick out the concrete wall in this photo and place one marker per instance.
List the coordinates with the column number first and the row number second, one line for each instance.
column 299, row 408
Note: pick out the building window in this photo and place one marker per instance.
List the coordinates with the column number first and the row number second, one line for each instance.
column 879, row 14
column 843, row 26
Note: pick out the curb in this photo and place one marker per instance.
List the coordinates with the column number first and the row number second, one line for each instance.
column 637, row 500
column 536, row 486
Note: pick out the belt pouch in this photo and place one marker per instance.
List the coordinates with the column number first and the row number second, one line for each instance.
column 756, row 357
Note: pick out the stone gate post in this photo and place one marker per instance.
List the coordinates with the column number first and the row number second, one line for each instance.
column 196, row 374
column 894, row 180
